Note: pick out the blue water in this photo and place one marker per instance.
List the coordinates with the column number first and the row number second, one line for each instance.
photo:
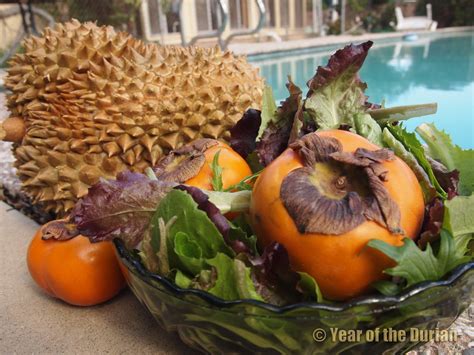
column 438, row 68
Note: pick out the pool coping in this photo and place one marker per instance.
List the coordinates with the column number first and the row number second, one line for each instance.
column 260, row 48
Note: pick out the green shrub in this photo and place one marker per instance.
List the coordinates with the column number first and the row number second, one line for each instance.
column 449, row 12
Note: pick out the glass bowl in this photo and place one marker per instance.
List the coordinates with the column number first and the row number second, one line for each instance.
column 379, row 324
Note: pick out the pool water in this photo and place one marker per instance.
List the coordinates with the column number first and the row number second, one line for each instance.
column 436, row 68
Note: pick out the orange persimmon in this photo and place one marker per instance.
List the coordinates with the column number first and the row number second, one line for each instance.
column 341, row 263
column 234, row 168
column 76, row 271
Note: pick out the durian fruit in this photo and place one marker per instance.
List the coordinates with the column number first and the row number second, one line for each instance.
column 87, row 102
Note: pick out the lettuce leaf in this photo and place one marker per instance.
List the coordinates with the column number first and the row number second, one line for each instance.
column 308, row 286
column 216, row 169
column 387, row 288
column 453, row 222
column 243, row 136
column 395, row 114
column 119, row 208
column 269, row 110
column 440, row 147
column 459, row 215
column 275, row 130
column 192, row 224
column 415, row 265
column 184, row 244
column 275, row 280
column 399, row 149
column 432, row 223
column 449, row 180
column 366, row 126
column 233, row 279
column 230, row 201
column 336, row 92
column 413, row 145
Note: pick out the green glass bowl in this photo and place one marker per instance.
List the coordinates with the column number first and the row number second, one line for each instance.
column 212, row 325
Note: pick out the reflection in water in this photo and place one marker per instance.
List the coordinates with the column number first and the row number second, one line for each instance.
column 431, row 69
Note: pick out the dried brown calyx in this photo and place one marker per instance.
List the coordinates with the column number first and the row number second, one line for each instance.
column 60, row 229
column 183, row 163
column 337, row 191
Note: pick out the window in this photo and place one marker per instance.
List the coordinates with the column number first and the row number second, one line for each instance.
column 238, row 13
column 164, row 16
column 299, row 14
column 284, row 14
column 208, row 15
column 270, row 13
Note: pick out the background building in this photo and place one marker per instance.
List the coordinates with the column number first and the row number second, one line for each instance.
column 161, row 21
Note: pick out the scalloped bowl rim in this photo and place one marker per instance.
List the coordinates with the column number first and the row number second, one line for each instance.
column 145, row 275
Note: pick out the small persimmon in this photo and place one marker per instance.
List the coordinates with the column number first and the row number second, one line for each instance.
column 76, row 271
column 329, row 194
column 191, row 164
column 234, row 168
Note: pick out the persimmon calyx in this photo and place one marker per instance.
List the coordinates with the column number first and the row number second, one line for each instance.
column 183, row 163
column 336, row 191
column 61, row 229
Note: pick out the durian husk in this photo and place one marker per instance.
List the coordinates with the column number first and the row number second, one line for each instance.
column 96, row 102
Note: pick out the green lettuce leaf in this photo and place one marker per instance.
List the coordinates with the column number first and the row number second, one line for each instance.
column 230, row 201
column 269, row 110
column 182, row 280
column 394, row 114
column 387, row 288
column 459, row 215
column 416, row 265
column 336, row 96
column 222, row 276
column 188, row 241
column 245, row 183
column 195, row 251
column 310, row 287
column 233, row 279
column 276, row 130
column 216, row 180
column 366, row 126
column 441, row 148
column 399, row 149
column 336, row 92
column 184, row 244
column 189, row 252
column 413, row 145
column 240, row 230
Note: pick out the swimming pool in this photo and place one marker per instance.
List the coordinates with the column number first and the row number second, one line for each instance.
column 435, row 68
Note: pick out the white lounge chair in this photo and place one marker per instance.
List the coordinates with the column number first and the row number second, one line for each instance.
column 415, row 22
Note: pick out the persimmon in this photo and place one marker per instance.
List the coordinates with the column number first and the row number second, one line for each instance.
column 191, row 164
column 329, row 194
column 76, row 271
column 234, row 168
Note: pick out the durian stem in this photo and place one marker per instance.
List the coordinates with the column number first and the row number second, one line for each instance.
column 12, row 129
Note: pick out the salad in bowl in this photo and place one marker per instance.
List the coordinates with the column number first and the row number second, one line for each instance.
column 322, row 213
